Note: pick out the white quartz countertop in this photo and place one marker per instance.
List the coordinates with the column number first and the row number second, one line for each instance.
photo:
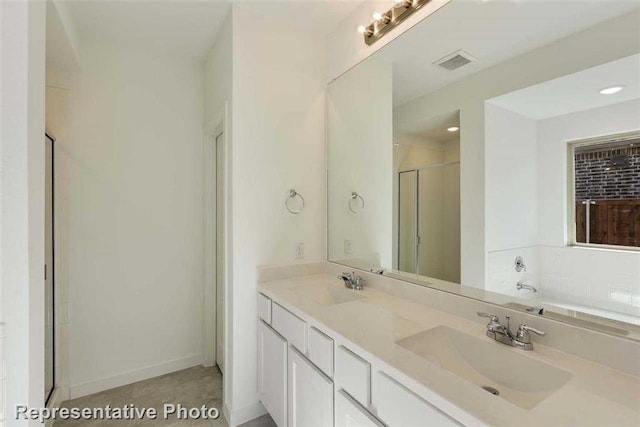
column 595, row 396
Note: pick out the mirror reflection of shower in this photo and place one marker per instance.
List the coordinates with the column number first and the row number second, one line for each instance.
column 427, row 193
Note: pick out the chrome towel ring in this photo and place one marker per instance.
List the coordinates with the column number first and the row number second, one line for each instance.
column 354, row 197
column 293, row 194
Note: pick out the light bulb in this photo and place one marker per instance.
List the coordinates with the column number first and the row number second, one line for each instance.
column 377, row 16
column 611, row 90
column 453, row 129
column 362, row 29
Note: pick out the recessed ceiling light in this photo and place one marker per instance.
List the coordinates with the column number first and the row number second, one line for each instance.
column 611, row 90
column 453, row 129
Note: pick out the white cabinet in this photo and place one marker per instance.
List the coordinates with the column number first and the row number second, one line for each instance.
column 272, row 373
column 290, row 326
column 264, row 308
column 399, row 407
column 350, row 413
column 320, row 350
column 310, row 401
column 353, row 374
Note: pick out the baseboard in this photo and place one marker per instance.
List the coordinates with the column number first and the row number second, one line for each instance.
column 133, row 376
column 244, row 414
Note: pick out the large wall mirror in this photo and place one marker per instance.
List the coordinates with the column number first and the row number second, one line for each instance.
column 493, row 150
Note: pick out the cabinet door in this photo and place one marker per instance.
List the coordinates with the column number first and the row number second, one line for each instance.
column 400, row 407
column 272, row 373
column 310, row 402
column 350, row 413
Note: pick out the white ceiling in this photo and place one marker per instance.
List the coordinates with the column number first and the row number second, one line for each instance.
column 576, row 92
column 185, row 27
column 492, row 31
column 433, row 128
column 189, row 27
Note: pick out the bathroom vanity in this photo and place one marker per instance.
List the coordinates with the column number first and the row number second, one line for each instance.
column 329, row 355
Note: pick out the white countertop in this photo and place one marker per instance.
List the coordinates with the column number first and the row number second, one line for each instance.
column 595, row 396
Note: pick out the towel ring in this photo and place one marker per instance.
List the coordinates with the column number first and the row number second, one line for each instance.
column 355, row 196
column 293, row 194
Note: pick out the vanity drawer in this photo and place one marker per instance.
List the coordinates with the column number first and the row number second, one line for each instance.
column 351, row 413
column 397, row 406
column 320, row 350
column 290, row 326
column 353, row 374
column 264, row 308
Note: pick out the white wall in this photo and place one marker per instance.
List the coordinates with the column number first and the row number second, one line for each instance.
column 511, row 179
column 134, row 207
column 22, row 75
column 360, row 159
column 278, row 143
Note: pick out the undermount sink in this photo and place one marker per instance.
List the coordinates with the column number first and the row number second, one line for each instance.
column 498, row 369
column 334, row 295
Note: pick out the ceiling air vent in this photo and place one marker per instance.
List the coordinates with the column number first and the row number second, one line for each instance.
column 455, row 60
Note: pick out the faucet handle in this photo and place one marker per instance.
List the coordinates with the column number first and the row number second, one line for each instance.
column 528, row 328
column 493, row 317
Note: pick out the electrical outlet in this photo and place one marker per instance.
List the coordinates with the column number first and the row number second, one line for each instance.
column 348, row 246
column 298, row 250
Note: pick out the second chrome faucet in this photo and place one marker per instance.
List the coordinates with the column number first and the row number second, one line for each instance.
column 502, row 333
column 352, row 281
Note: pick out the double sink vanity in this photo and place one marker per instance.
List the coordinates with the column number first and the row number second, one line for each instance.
column 330, row 355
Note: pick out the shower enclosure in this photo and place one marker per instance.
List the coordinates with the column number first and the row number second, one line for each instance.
column 429, row 221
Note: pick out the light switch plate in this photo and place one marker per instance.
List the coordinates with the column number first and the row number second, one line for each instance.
column 348, row 246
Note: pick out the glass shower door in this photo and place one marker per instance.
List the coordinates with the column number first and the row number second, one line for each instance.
column 407, row 224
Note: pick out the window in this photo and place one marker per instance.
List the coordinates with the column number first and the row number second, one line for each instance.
column 606, row 192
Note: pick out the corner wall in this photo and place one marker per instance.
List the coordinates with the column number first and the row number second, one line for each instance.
column 278, row 144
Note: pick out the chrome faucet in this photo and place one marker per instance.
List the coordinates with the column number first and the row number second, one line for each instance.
column 352, row 281
column 521, row 285
column 502, row 333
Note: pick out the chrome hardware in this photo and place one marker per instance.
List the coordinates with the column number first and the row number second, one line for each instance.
column 523, row 337
column 538, row 309
column 355, row 197
column 293, row 194
column 352, row 281
column 521, row 285
column 502, row 333
column 518, row 264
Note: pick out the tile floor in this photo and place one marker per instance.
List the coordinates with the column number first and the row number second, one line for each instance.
column 191, row 387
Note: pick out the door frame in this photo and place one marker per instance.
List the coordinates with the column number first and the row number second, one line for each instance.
column 53, row 263
column 217, row 126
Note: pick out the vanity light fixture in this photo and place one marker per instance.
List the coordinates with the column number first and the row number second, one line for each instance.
column 385, row 22
column 453, row 129
column 611, row 90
